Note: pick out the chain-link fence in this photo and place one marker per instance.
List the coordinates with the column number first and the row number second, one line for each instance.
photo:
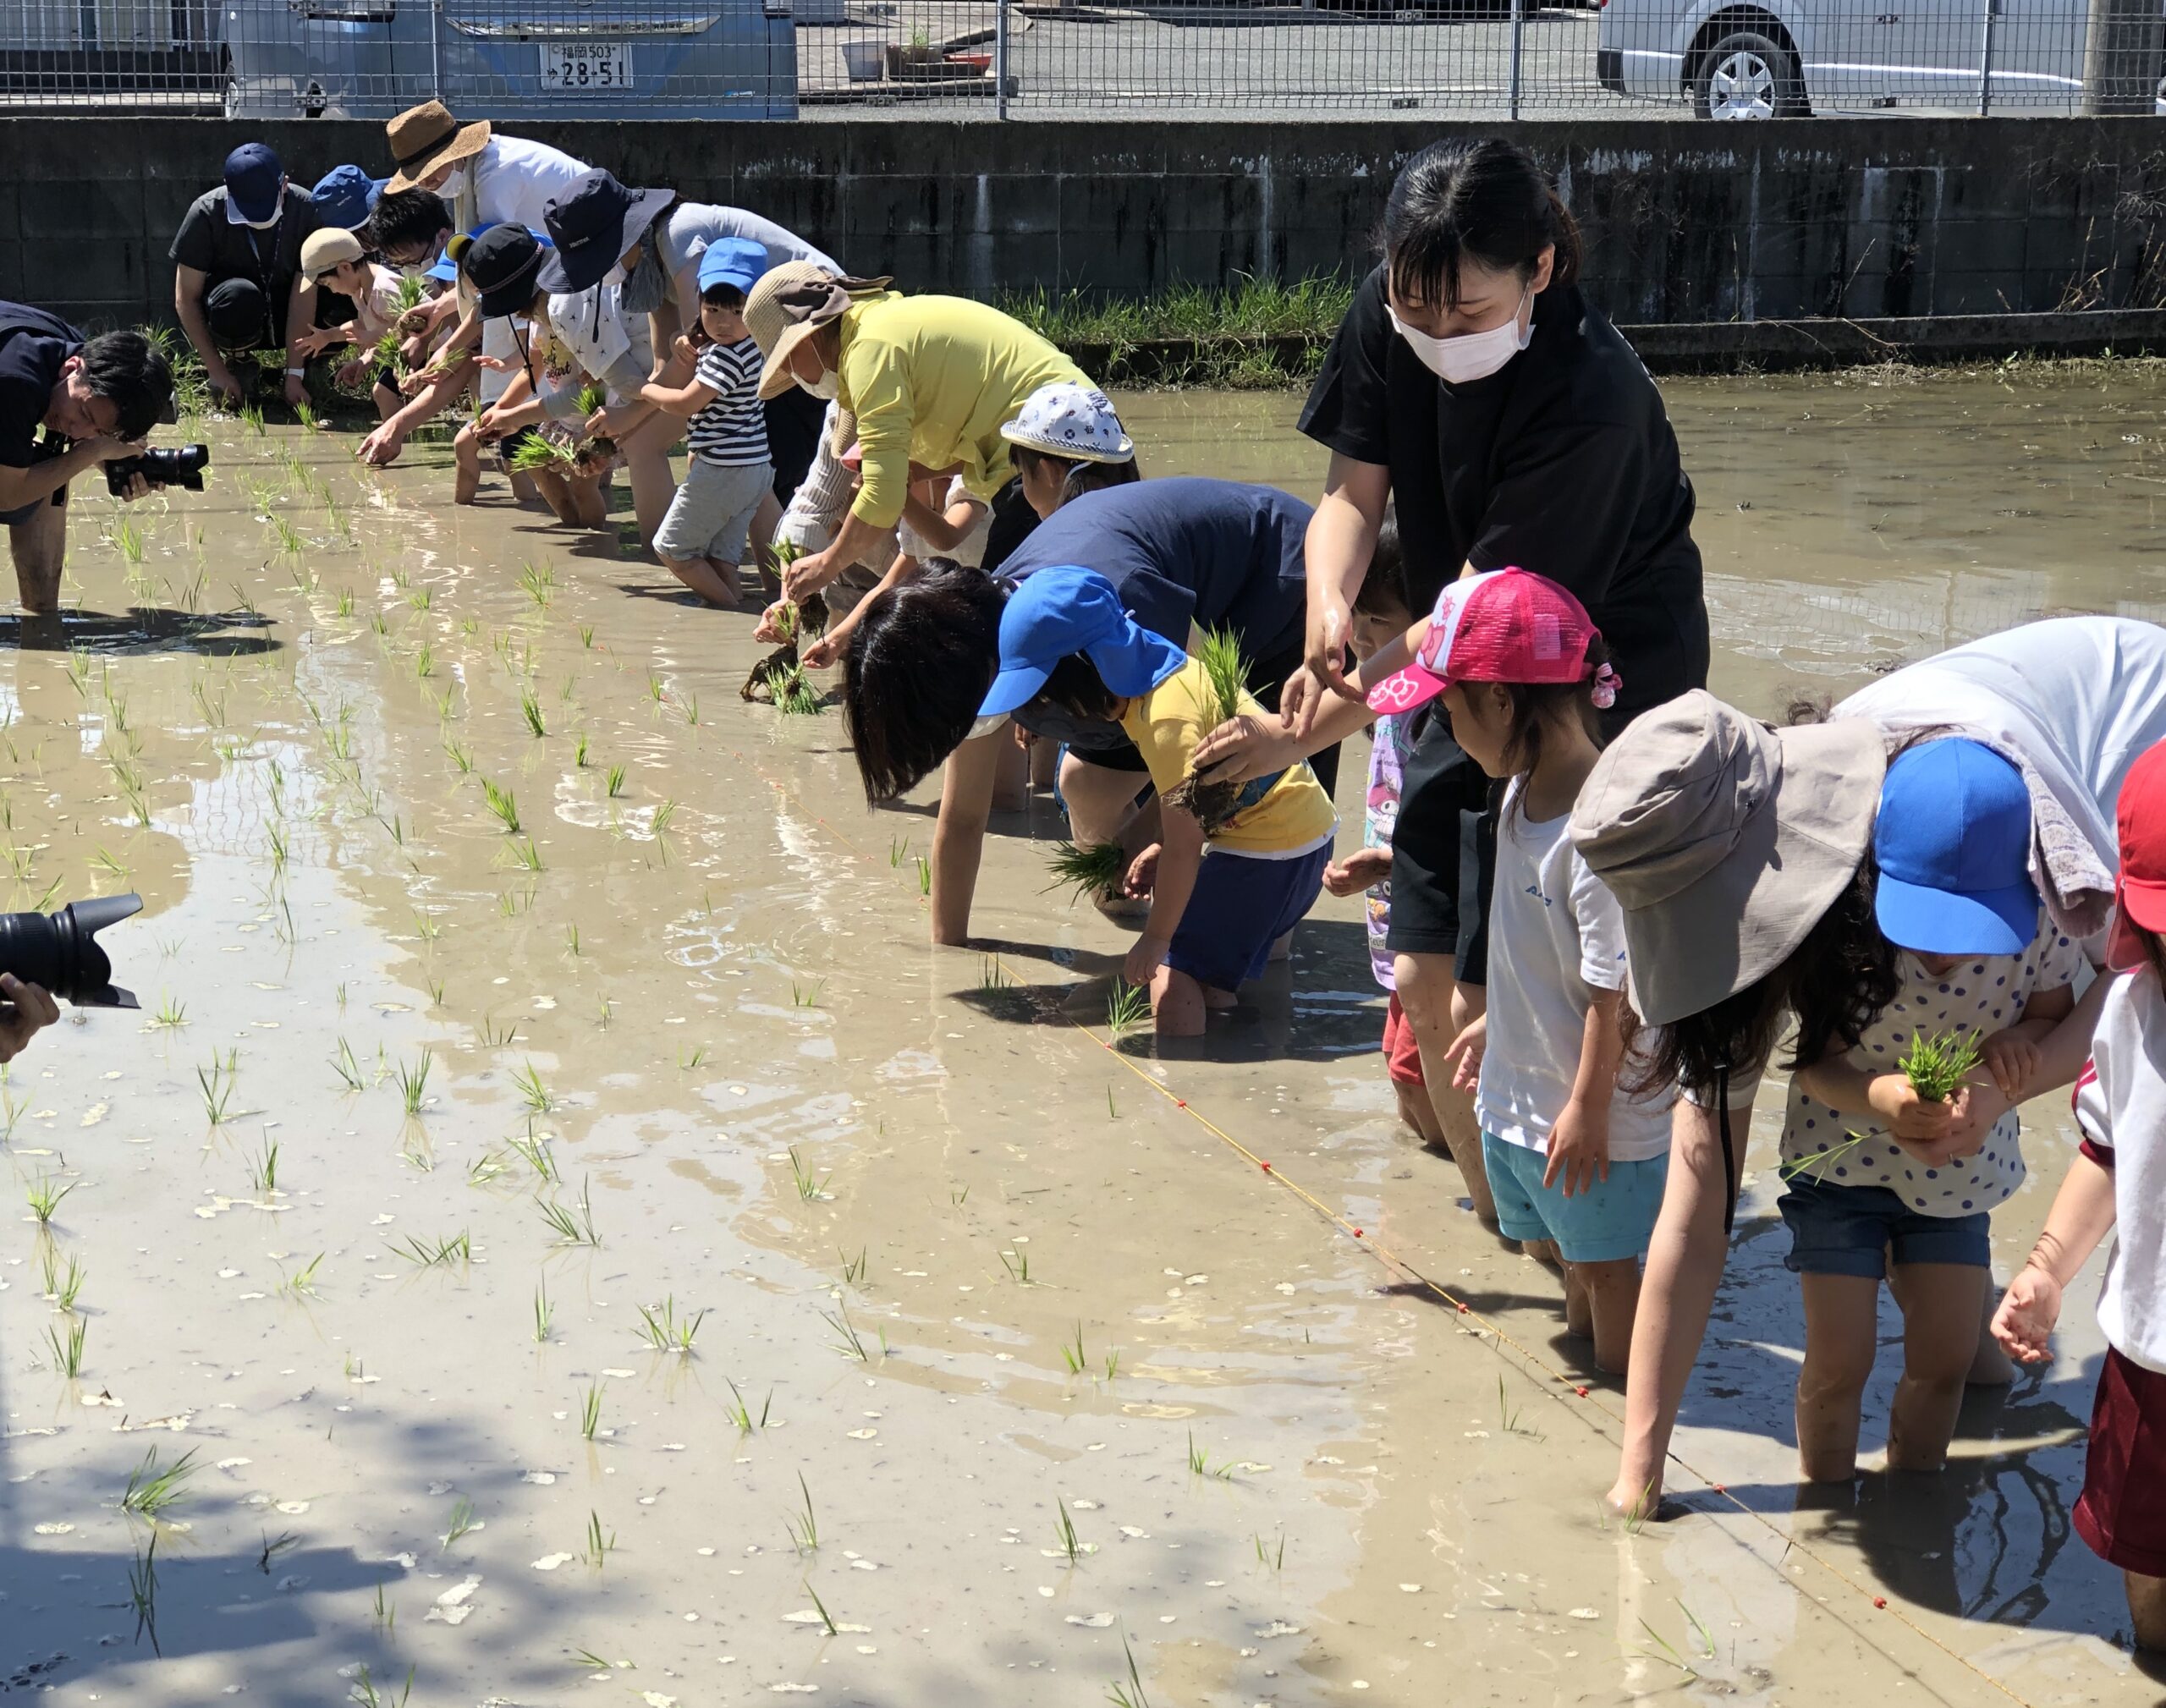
column 771, row 58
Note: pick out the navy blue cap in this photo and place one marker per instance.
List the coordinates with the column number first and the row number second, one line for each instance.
column 253, row 178
column 1953, row 843
column 1056, row 612
column 346, row 196
column 592, row 224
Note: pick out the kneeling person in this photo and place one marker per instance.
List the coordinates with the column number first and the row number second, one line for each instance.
column 1231, row 875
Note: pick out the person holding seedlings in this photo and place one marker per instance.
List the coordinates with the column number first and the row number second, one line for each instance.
column 2117, row 1184
column 701, row 539
column 237, row 284
column 1966, row 971
column 1235, row 868
column 1381, row 616
column 1740, row 855
column 333, row 257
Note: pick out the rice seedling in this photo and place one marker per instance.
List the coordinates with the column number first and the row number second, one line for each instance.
column 805, row 1526
column 849, row 1342
column 1200, row 1466
column 1508, row 1415
column 807, row 995
column 127, row 541
column 1127, row 1007
column 435, row 993
column 687, row 1062
column 462, row 1521
column 273, row 1548
column 290, row 541
column 491, row 1039
column 152, row 1488
column 663, row 814
column 809, row 1188
column 526, row 856
column 924, row 876
column 349, row 1068
column 60, row 1289
column 794, row 695
column 1664, row 1651
column 897, row 849
column 251, row 418
column 534, row 1151
column 613, row 781
column 541, row 455
column 306, row 414
column 458, row 1248
column 1129, row 1693
column 462, row 761
column 1273, row 1557
column 598, row 1546
column 690, row 707
column 143, row 1593
column 1938, row 1064
column 303, row 1282
column 740, row 1413
column 586, row 635
column 425, row 662
column 1017, row 1263
column 503, row 804
column 1072, row 1546
column 579, row 750
column 386, row 1613
column 345, row 607
column 607, row 1011
column 853, row 1267
column 1077, row 1360
column 531, row 709
column 67, row 1354
column 414, row 1083
column 531, row 1092
column 263, row 1169
column 421, row 598
column 1113, row 1363
column 589, row 1411
column 171, row 1015
column 665, row 1330
column 573, row 1229
column 366, row 1693
column 46, row 1195
column 1097, row 869
column 543, row 1311
column 538, row 582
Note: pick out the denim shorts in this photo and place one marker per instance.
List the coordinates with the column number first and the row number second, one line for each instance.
column 1611, row 1221
column 1850, row 1230
column 1241, row 905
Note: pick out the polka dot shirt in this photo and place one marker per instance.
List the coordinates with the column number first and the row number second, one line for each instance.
column 1982, row 996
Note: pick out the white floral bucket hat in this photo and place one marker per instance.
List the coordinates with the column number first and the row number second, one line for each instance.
column 1072, row 421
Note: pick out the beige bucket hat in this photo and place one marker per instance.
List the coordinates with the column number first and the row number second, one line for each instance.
column 1723, row 842
column 425, row 137
column 791, row 303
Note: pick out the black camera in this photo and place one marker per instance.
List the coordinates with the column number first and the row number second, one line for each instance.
column 60, row 951
column 171, row 465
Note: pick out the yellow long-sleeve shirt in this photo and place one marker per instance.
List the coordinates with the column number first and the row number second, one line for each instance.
column 930, row 380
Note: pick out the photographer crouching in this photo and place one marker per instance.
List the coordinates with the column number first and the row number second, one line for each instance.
column 94, row 401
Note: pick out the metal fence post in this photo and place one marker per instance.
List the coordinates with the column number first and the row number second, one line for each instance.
column 1000, row 59
column 1519, row 33
column 436, row 48
column 1986, row 59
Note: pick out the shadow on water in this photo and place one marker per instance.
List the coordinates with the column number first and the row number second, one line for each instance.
column 143, row 631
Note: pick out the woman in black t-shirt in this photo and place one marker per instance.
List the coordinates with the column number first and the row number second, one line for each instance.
column 1472, row 385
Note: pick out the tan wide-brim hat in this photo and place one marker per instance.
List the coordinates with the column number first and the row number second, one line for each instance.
column 425, row 137
column 786, row 306
column 1724, row 841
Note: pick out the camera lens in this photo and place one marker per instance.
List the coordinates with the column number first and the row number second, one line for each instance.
column 60, row 951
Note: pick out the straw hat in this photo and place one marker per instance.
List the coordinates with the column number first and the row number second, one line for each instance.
column 425, row 137
column 788, row 304
column 1723, row 842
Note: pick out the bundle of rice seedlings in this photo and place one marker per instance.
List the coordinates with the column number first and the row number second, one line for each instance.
column 1937, row 1064
column 794, row 695
column 1226, row 676
column 539, row 453
column 1098, row 869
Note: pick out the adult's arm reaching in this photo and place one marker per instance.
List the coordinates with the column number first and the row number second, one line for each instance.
column 958, row 833
column 1342, row 537
column 189, row 286
column 300, row 316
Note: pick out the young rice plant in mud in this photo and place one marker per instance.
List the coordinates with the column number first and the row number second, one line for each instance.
column 809, row 1188
column 68, row 1354
column 1200, row 1466
column 217, row 1081
column 529, row 708
column 665, row 1330
column 1226, row 674
column 503, row 804
column 60, row 1289
column 1072, row 1548
column 349, row 1068
column 849, row 1342
column 1127, row 1007
column 1097, row 870
column 571, row 1229
column 533, row 1149
column 46, row 1195
column 740, row 1412
column 437, row 1254
column 589, row 1411
column 462, row 1521
column 805, row 1526
column 543, row 1311
column 527, row 1081
column 414, row 1083
column 153, row 1488
column 263, row 1169
column 599, row 1547
column 613, row 781
column 1128, row 1693
column 143, row 1593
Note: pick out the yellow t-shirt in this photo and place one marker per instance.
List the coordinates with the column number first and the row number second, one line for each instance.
column 1279, row 816
column 930, row 380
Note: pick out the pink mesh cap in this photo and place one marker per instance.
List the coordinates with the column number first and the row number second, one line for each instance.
column 1506, row 625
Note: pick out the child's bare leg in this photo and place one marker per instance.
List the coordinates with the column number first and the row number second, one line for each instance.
column 1177, row 1004
column 556, row 493
column 1839, row 1343
column 1613, row 1294
column 1578, row 1308
column 1011, row 780
column 1045, row 756
column 704, row 578
column 590, row 497
column 1414, row 1110
column 1427, row 991
column 2147, row 1610
column 524, row 489
column 765, row 520
column 1940, row 1325
column 387, row 402
column 466, row 460
column 1990, row 1367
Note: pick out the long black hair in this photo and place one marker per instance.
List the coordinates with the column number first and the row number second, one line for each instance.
column 920, row 663
column 1482, row 200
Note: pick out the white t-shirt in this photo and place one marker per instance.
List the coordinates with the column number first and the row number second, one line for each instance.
column 969, row 550
column 511, row 181
column 2120, row 1106
column 615, row 348
column 1555, row 935
column 1980, row 996
column 682, row 233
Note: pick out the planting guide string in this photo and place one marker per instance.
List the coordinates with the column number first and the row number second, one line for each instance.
column 1391, row 1260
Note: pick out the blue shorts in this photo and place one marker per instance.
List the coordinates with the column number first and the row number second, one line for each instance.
column 1611, row 1221
column 1240, row 907
column 1850, row 1230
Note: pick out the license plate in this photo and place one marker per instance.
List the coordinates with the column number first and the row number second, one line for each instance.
column 588, row 68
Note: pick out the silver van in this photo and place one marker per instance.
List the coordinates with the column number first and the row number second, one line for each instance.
column 513, row 58
column 1788, row 58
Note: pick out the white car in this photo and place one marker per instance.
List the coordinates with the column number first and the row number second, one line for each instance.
column 1788, row 58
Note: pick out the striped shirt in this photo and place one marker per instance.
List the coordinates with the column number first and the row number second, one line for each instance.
column 732, row 431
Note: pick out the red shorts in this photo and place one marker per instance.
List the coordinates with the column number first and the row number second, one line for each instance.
column 2123, row 1512
column 1402, row 1055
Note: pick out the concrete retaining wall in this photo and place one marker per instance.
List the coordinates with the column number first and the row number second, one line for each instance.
column 1902, row 219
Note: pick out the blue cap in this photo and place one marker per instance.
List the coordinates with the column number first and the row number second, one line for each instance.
column 253, row 178
column 732, row 261
column 1953, row 842
column 1056, row 613
column 346, row 196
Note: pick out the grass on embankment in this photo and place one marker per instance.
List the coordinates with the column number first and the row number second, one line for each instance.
column 1256, row 334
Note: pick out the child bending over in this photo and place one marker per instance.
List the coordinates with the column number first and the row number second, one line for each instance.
column 1217, row 900
column 334, row 259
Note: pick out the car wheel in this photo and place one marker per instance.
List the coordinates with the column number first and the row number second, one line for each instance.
column 1747, row 75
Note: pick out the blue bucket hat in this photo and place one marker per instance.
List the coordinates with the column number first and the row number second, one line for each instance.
column 345, row 196
column 1055, row 612
column 1953, row 842
column 732, row 261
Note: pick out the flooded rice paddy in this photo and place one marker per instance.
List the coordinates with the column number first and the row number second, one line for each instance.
column 582, row 1245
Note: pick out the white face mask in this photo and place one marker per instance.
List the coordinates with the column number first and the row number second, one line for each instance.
column 454, row 185
column 1472, row 355
column 824, row 387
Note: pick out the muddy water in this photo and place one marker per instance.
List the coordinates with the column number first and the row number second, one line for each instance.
column 965, row 1271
